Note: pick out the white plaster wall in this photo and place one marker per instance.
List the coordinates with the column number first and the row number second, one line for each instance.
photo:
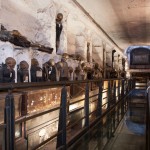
column 36, row 20
column 6, row 50
column 71, row 43
column 108, row 49
column 116, row 66
column 109, row 58
column 97, row 53
column 81, row 46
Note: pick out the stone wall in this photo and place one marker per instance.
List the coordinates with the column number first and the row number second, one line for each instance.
column 36, row 21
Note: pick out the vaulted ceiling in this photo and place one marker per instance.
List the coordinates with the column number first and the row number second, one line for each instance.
column 127, row 22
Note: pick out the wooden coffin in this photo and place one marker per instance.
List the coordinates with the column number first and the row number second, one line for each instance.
column 43, row 127
column 35, row 100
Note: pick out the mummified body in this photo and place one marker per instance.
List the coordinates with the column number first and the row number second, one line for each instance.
column 23, row 72
column 7, row 73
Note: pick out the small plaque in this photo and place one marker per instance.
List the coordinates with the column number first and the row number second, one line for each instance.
column 10, row 74
column 26, row 79
column 50, row 70
column 38, row 73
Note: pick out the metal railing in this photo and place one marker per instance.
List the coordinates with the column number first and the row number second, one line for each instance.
column 148, row 120
column 101, row 103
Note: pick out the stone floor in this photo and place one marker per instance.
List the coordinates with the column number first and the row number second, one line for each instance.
column 131, row 132
column 124, row 139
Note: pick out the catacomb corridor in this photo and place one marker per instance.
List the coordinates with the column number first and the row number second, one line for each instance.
column 74, row 75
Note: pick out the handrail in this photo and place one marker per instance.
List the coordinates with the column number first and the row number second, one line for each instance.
column 29, row 117
column 95, row 122
column 64, row 111
column 5, row 86
column 148, row 120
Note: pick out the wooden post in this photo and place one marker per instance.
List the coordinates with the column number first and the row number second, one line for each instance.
column 118, row 109
column 86, row 106
column 9, row 120
column 99, row 103
column 109, row 95
column 122, row 98
column 61, row 138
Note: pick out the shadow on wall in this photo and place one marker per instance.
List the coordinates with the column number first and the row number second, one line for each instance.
column 96, row 57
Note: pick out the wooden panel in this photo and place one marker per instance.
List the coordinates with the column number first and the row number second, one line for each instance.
column 41, row 99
